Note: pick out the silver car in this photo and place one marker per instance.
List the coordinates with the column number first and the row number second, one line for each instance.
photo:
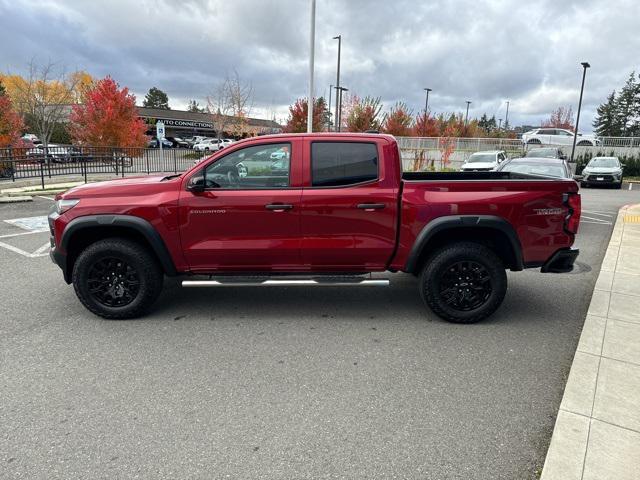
column 602, row 171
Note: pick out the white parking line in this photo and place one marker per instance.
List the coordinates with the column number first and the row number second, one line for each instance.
column 40, row 252
column 596, row 212
column 46, row 198
column 595, row 220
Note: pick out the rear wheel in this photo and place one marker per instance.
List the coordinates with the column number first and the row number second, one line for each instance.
column 117, row 278
column 464, row 282
column 534, row 141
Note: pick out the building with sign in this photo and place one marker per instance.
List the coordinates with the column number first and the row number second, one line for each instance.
column 180, row 123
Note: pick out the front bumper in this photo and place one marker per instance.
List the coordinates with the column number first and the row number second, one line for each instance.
column 55, row 254
column 561, row 262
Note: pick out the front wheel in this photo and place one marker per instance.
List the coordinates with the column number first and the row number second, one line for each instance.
column 464, row 282
column 116, row 278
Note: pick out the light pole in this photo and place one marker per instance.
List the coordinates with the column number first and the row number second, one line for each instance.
column 339, row 111
column 466, row 117
column 339, row 38
column 312, row 42
column 506, row 117
column 329, row 109
column 499, row 124
column 585, row 65
column 426, row 102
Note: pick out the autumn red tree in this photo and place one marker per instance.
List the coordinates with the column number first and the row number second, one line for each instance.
column 426, row 126
column 108, row 118
column 398, row 121
column 561, row 117
column 363, row 114
column 11, row 124
column 297, row 121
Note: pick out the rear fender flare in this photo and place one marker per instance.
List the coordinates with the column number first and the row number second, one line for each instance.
column 447, row 222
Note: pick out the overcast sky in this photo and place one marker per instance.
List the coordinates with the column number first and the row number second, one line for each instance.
column 484, row 51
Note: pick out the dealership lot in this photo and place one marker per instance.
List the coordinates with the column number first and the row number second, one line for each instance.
column 283, row 383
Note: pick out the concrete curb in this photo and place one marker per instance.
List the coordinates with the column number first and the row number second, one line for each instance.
column 597, row 431
column 15, row 199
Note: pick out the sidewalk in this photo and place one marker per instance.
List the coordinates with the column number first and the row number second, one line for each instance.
column 597, row 432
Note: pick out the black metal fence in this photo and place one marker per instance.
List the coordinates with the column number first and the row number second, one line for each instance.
column 43, row 163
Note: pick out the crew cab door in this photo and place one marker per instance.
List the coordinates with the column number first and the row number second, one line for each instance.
column 248, row 216
column 349, row 204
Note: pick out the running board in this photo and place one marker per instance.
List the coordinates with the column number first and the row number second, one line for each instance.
column 288, row 283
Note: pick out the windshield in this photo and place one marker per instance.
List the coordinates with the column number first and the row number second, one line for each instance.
column 482, row 158
column 536, row 169
column 543, row 153
column 603, row 162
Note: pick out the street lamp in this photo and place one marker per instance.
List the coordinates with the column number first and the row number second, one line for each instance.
column 585, row 65
column 339, row 38
column 339, row 111
column 466, row 117
column 426, row 102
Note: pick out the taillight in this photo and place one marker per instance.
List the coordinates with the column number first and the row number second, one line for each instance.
column 574, row 204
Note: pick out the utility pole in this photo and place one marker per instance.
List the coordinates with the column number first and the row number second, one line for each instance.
column 585, row 65
column 312, row 42
column 337, row 126
column 466, row 117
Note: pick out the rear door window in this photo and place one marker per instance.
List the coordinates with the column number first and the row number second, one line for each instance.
column 336, row 164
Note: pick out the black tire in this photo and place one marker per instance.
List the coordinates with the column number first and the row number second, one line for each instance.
column 619, row 185
column 585, row 144
column 140, row 284
column 534, row 141
column 487, row 281
column 583, row 185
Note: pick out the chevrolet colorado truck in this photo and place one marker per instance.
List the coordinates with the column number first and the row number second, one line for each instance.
column 330, row 211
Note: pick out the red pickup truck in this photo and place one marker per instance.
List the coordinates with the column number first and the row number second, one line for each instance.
column 317, row 209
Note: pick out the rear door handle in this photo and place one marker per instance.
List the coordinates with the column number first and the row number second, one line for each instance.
column 371, row 206
column 278, row 206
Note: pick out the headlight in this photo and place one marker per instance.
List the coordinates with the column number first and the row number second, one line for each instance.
column 64, row 205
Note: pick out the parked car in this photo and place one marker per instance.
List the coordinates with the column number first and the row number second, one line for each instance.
column 546, row 152
column 557, row 136
column 177, row 142
column 545, row 167
column 153, row 143
column 602, row 171
column 345, row 209
column 209, row 145
column 31, row 138
column 484, row 161
column 195, row 139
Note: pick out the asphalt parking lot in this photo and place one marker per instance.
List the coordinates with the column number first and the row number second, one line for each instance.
column 283, row 383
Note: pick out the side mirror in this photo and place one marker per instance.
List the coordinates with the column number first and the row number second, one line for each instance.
column 196, row 183
column 578, row 178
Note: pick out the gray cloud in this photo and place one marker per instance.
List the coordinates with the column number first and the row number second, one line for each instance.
column 484, row 51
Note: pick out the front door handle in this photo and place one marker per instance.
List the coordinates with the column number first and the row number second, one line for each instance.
column 371, row 206
column 278, row 207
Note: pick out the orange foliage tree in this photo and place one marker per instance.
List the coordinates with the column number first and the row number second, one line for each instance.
column 11, row 124
column 426, row 126
column 297, row 121
column 561, row 117
column 447, row 145
column 363, row 114
column 108, row 118
column 398, row 121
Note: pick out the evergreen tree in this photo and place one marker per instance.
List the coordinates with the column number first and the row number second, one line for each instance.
column 156, row 98
column 607, row 122
column 628, row 107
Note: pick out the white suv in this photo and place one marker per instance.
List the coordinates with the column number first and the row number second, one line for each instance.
column 557, row 136
column 484, row 161
column 208, row 145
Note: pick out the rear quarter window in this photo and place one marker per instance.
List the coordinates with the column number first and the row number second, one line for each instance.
column 336, row 164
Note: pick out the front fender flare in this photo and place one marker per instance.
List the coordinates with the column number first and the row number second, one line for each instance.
column 138, row 224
